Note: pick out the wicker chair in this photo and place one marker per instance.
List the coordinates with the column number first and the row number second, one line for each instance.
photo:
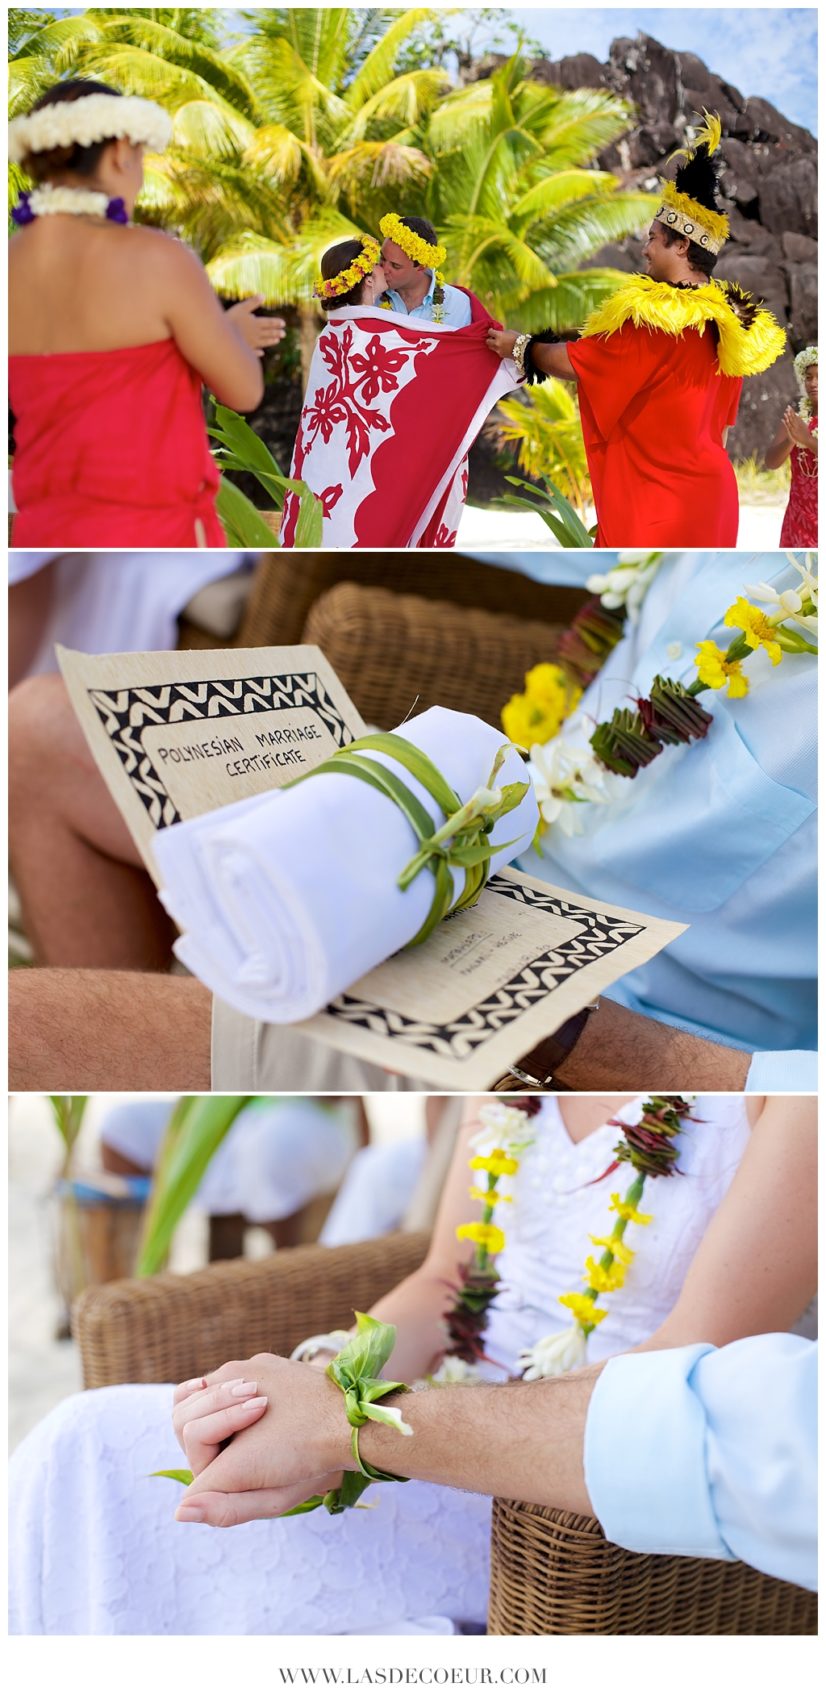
column 550, row 1571
column 395, row 650
column 287, row 585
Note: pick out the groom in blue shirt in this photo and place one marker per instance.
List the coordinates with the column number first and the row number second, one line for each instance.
column 412, row 287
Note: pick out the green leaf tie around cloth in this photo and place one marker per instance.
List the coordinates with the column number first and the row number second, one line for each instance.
column 463, row 840
column 355, row 1371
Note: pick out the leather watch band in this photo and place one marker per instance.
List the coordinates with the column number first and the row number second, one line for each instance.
column 543, row 1062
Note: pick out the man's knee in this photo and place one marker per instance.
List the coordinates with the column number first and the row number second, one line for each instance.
column 43, row 733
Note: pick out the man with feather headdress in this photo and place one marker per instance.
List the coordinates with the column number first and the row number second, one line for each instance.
column 659, row 370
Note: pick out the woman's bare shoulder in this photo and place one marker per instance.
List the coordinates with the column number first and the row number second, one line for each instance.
column 164, row 249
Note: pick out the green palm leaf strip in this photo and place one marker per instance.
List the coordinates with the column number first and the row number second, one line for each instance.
column 356, row 1371
column 463, row 840
column 197, row 1127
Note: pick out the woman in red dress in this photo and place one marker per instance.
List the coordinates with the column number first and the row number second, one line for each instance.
column 796, row 438
column 114, row 331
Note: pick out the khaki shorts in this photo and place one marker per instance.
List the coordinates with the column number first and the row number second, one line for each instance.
column 251, row 1055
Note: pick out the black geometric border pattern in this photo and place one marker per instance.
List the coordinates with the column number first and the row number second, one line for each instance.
column 594, row 935
column 125, row 713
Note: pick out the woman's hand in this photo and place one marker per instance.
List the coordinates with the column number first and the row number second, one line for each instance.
column 798, row 431
column 501, row 343
column 261, row 332
column 301, row 1449
column 204, row 1414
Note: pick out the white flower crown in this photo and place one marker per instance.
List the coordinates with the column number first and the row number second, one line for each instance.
column 803, row 360
column 92, row 118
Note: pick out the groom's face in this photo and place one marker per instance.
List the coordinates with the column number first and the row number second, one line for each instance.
column 399, row 270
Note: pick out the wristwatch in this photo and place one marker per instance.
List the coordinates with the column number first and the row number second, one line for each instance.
column 541, row 1066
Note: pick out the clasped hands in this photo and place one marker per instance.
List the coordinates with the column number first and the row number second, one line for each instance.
column 287, row 1438
column 797, row 429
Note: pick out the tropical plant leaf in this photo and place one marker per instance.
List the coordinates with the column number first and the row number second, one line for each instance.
column 243, row 525
column 185, row 1477
column 196, row 1135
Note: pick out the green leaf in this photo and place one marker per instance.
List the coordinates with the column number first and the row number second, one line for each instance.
column 188, row 1150
column 242, row 523
column 186, row 1477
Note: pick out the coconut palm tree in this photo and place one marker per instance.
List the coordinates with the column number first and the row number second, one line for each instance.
column 516, row 201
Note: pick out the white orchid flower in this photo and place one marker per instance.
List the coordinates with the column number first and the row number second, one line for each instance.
column 554, row 1355
column 454, row 1372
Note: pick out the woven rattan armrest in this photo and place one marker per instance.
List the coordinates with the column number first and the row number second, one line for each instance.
column 164, row 1328
column 287, row 585
column 554, row 1572
column 395, row 651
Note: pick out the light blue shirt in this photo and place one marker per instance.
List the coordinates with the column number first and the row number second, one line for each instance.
column 720, row 835
column 710, row 1452
column 455, row 308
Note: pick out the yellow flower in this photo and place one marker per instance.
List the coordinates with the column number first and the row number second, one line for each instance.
column 617, row 1248
column 586, row 1312
column 756, row 627
column 628, row 1212
column 491, row 1198
column 497, row 1163
column 526, row 721
column 429, row 254
column 604, row 1280
column 482, row 1233
column 714, row 669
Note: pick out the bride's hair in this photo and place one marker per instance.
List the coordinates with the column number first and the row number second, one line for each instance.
column 84, row 161
column 334, row 261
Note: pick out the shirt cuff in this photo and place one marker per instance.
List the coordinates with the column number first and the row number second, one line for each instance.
column 645, row 1456
column 783, row 1070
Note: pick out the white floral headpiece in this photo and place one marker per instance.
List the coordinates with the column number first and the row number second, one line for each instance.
column 92, row 118
column 804, row 360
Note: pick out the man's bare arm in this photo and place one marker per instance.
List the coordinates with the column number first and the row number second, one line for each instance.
column 620, row 1051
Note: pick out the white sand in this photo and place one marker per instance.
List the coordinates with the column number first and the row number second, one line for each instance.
column 503, row 530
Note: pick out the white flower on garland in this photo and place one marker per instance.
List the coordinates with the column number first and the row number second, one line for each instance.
column 566, row 776
column 554, row 1355
column 788, row 605
column 93, row 118
column 453, row 1373
column 59, row 198
column 507, row 1127
column 627, row 583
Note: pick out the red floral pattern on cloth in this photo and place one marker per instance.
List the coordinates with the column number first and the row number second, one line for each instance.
column 391, row 409
column 800, row 521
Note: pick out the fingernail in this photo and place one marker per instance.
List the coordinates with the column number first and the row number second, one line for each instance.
column 189, row 1513
column 197, row 1382
column 242, row 1388
column 260, row 1400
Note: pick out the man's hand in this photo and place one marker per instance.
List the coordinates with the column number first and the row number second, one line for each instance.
column 501, row 343
column 299, row 1446
column 261, row 332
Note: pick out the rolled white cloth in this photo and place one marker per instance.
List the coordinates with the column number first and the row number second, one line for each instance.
column 287, row 899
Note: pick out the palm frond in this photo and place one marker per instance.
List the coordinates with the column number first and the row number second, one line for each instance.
column 406, row 100
column 205, row 128
column 566, row 307
column 567, row 238
column 170, row 49
column 578, row 124
column 558, row 189
column 378, row 165
column 378, row 68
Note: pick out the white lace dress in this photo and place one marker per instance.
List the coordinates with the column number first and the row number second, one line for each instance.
column 95, row 1550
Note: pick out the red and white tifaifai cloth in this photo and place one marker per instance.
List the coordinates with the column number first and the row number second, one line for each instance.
column 392, row 408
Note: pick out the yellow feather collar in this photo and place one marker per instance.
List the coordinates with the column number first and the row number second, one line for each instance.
column 749, row 337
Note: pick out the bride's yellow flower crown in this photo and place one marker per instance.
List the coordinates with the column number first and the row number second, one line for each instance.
column 350, row 276
column 432, row 255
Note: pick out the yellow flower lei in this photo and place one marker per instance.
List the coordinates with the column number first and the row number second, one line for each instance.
column 350, row 276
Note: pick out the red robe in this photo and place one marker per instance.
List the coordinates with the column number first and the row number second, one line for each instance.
column 653, row 409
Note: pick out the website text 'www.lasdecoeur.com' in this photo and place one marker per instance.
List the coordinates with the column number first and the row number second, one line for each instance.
column 411, row 1675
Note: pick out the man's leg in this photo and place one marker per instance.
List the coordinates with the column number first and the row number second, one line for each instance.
column 107, row 1031
column 87, row 900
